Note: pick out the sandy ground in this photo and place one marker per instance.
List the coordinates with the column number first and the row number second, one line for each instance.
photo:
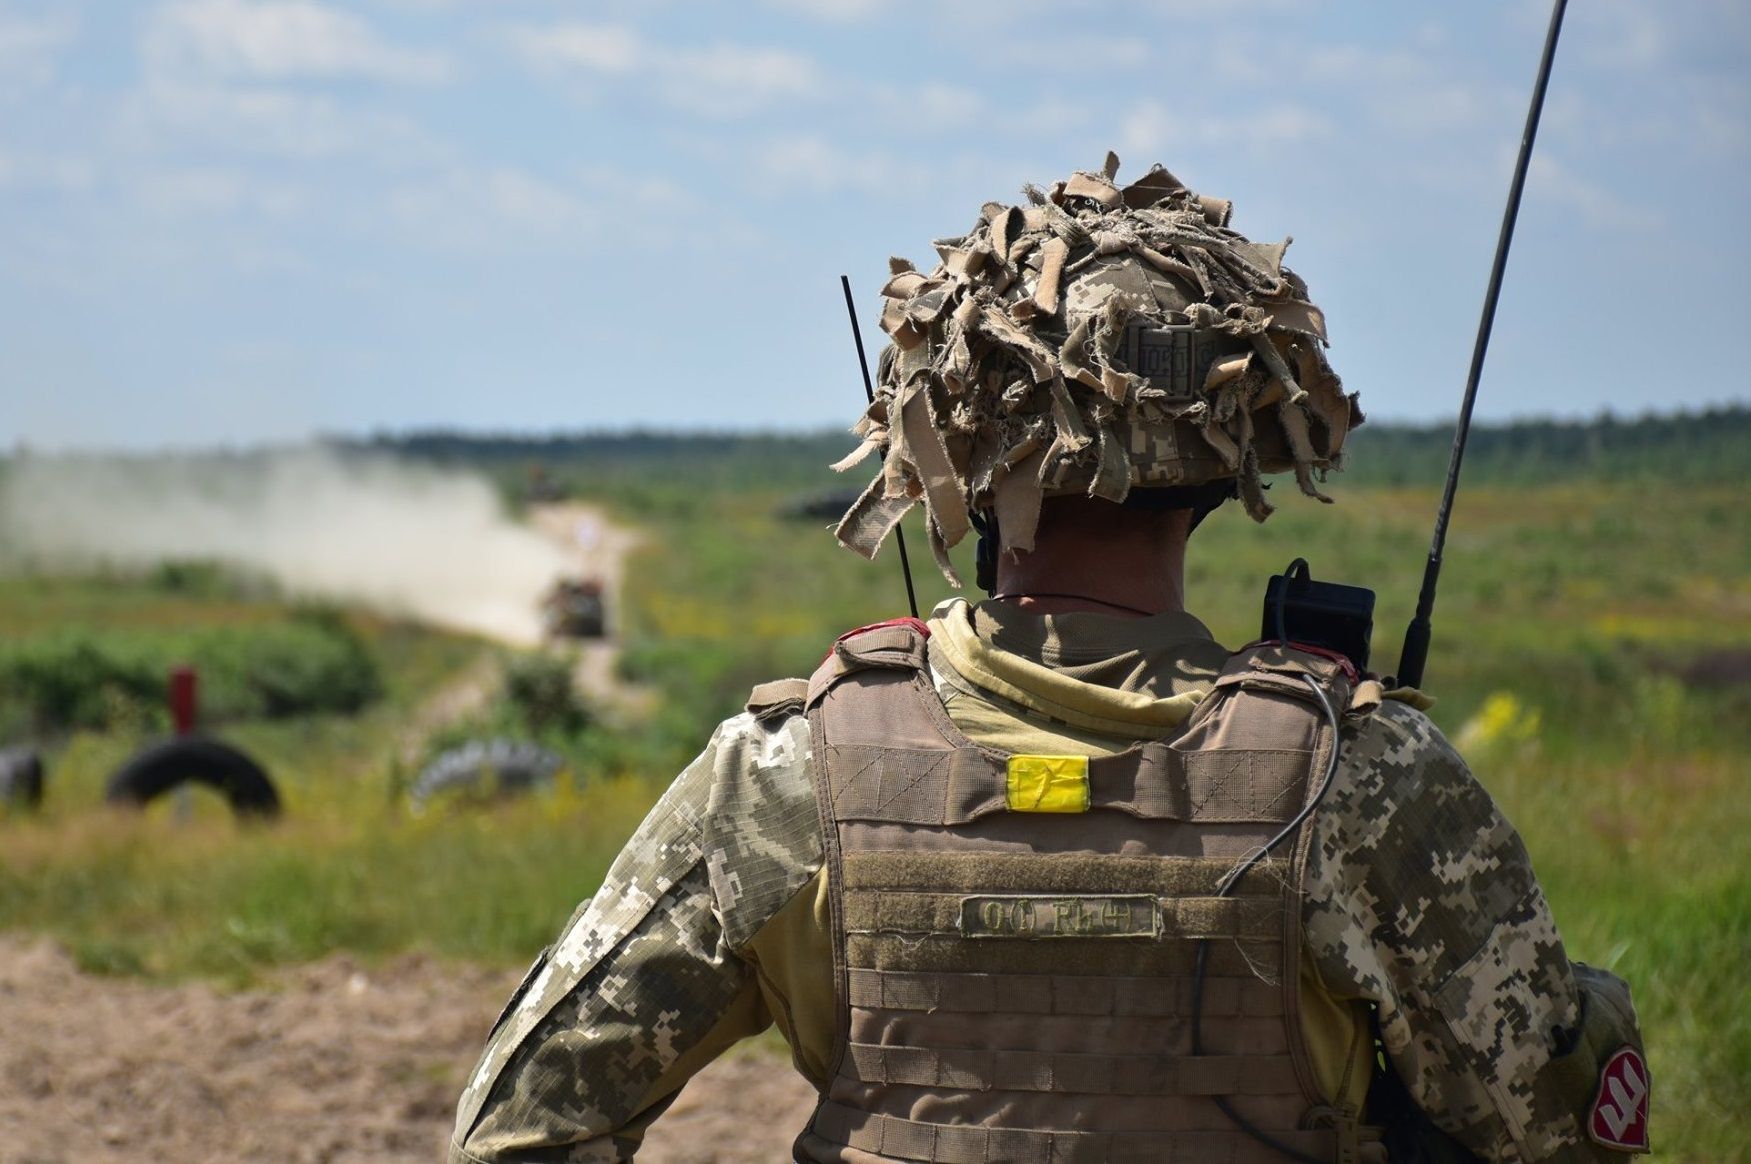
column 327, row 1064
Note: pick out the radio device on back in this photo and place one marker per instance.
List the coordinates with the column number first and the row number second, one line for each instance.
column 1327, row 615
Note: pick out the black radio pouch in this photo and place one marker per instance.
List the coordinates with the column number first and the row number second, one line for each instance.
column 1328, row 615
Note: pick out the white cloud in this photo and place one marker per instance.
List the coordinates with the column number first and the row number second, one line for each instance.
column 1597, row 204
column 204, row 191
column 1055, row 118
column 1439, row 107
column 931, row 107
column 60, row 173
column 1411, row 90
column 732, row 80
column 271, row 122
column 634, row 193
column 490, row 209
column 718, row 81
column 809, row 163
column 1154, row 129
column 1722, row 126
column 279, row 40
column 596, row 48
column 1023, row 47
column 30, row 50
column 834, row 10
column 1626, row 34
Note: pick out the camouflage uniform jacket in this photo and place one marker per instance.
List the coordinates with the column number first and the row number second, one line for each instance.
column 712, row 923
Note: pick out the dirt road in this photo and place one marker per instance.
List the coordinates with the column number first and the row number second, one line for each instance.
column 331, row 1063
column 595, row 547
column 591, row 546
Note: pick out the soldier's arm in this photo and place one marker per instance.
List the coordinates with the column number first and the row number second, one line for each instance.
column 645, row 985
column 1422, row 900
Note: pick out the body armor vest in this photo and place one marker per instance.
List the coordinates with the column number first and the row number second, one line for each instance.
column 1016, row 937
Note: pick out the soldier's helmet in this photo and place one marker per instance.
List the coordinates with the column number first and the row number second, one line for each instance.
column 1097, row 339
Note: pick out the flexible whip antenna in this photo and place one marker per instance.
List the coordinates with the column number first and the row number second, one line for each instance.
column 1416, row 635
column 869, row 393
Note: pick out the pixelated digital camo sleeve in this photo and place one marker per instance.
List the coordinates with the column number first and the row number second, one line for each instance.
column 1422, row 899
column 644, row 986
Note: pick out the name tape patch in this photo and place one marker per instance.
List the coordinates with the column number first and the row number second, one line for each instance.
column 1619, row 1118
column 1017, row 916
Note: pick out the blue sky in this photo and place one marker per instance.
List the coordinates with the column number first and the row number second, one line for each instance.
column 231, row 221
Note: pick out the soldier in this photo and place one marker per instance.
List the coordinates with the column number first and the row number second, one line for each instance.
column 1055, row 877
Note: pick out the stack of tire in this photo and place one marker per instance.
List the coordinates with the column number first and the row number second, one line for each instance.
column 195, row 760
column 486, row 769
column 21, row 779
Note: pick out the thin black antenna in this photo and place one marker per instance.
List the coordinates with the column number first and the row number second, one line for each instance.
column 869, row 393
column 1416, row 636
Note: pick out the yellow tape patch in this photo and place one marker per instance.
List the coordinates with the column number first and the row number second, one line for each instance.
column 1048, row 784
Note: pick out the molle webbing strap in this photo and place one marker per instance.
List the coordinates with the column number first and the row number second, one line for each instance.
column 1166, row 1038
column 944, row 955
column 946, row 915
column 1073, row 1074
column 1153, row 782
column 1138, row 996
column 1055, row 872
column 899, row 1139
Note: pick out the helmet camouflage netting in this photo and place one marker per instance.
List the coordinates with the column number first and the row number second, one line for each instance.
column 1095, row 339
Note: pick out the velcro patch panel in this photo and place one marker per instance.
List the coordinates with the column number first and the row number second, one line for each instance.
column 1081, row 916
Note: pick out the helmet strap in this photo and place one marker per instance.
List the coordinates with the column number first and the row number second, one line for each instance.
column 985, row 556
column 1202, row 500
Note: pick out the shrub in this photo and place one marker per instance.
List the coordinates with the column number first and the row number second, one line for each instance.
column 539, row 688
column 314, row 662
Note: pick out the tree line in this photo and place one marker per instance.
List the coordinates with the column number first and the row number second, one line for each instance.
column 1710, row 445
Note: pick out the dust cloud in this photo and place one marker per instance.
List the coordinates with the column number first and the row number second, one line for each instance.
column 400, row 538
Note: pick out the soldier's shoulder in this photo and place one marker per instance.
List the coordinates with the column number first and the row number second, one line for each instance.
column 1393, row 735
column 762, row 752
column 762, row 829
column 768, row 741
column 1395, row 768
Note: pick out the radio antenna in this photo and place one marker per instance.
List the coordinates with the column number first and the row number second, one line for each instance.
column 1416, row 635
column 869, row 394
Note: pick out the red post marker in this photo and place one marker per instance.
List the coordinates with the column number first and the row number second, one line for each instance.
column 182, row 699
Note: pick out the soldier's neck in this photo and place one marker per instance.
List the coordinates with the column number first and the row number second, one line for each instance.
column 1092, row 556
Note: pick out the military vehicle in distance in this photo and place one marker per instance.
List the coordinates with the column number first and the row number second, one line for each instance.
column 576, row 608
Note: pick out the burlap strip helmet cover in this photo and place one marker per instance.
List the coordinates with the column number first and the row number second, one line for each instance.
column 1096, row 339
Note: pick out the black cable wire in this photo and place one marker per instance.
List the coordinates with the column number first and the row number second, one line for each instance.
column 1283, row 599
column 1226, row 886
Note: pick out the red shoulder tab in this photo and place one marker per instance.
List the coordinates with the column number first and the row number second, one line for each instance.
column 1619, row 1118
column 916, row 624
column 1342, row 660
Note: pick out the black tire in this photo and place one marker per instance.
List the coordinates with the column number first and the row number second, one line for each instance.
column 487, row 768
column 240, row 780
column 21, row 778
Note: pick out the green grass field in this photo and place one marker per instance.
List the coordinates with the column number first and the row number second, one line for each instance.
column 1570, row 624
